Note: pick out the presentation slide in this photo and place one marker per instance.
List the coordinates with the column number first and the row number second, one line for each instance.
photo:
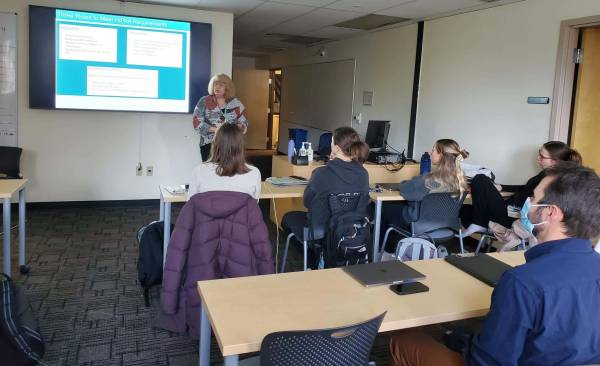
column 115, row 62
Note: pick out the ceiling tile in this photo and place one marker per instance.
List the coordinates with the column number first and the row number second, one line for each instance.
column 236, row 7
column 313, row 20
column 366, row 7
column 187, row 3
column 427, row 8
column 268, row 15
column 334, row 32
column 316, row 3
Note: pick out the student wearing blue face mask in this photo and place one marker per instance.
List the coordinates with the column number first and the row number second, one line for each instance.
column 544, row 312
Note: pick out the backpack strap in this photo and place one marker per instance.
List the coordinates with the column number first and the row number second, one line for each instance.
column 9, row 325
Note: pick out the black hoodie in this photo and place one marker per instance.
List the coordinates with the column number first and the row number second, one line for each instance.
column 337, row 176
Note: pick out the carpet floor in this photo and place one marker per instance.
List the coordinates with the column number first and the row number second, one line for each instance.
column 84, row 290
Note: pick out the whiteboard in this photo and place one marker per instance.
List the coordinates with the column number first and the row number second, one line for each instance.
column 318, row 95
column 8, row 79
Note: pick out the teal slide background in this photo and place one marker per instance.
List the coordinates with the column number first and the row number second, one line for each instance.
column 71, row 74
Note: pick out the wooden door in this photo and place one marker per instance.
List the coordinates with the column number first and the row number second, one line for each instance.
column 585, row 129
column 252, row 89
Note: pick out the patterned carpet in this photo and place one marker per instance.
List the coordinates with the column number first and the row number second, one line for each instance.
column 83, row 287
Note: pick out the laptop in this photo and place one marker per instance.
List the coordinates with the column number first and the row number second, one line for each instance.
column 481, row 266
column 383, row 273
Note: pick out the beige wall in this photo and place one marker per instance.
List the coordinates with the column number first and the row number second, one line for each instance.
column 384, row 64
column 478, row 70
column 78, row 155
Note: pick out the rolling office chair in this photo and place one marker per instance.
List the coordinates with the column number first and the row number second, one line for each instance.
column 438, row 219
column 324, row 149
column 349, row 346
column 10, row 162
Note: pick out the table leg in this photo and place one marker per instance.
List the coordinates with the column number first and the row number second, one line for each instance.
column 231, row 360
column 161, row 215
column 22, row 230
column 167, row 230
column 377, row 230
column 6, row 234
column 204, row 339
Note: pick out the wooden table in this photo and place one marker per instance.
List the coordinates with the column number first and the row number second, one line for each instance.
column 8, row 187
column 242, row 311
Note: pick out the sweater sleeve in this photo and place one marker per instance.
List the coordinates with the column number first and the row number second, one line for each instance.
column 194, row 183
column 176, row 258
column 259, row 241
column 414, row 189
column 200, row 122
column 518, row 199
column 313, row 187
column 258, row 184
column 241, row 118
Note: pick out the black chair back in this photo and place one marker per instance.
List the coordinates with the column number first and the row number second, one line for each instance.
column 439, row 211
column 348, row 346
column 10, row 159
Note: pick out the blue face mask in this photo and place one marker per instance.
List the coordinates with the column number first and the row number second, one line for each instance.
column 527, row 224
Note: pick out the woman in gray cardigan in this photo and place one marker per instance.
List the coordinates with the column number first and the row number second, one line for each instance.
column 447, row 176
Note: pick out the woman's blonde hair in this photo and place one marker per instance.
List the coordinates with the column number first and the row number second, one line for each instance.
column 229, row 86
column 448, row 175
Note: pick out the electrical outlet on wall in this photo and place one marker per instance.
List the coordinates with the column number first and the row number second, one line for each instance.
column 138, row 169
column 149, row 170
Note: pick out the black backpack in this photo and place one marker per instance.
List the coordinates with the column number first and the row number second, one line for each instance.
column 150, row 261
column 349, row 233
column 20, row 341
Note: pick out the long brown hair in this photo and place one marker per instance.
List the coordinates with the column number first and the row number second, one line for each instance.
column 559, row 151
column 448, row 175
column 349, row 142
column 227, row 151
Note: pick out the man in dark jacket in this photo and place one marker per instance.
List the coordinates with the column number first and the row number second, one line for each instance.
column 544, row 312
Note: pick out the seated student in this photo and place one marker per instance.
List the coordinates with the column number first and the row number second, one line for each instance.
column 226, row 169
column 447, row 176
column 488, row 205
column 343, row 173
column 539, row 315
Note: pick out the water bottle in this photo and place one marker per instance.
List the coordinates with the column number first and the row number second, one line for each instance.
column 310, row 152
column 291, row 149
column 425, row 163
column 302, row 151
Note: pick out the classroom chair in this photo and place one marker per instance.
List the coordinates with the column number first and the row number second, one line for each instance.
column 438, row 219
column 10, row 161
column 350, row 346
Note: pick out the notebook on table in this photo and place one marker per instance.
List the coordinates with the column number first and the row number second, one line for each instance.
column 481, row 266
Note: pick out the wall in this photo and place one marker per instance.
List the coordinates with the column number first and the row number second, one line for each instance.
column 244, row 62
column 384, row 64
column 478, row 70
column 76, row 155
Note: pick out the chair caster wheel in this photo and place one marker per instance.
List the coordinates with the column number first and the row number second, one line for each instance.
column 24, row 269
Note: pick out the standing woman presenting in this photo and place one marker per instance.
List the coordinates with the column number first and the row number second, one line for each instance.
column 218, row 107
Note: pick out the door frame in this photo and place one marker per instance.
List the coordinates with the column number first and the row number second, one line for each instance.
column 564, row 79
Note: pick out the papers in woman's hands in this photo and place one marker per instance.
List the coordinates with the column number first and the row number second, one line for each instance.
column 176, row 190
column 287, row 181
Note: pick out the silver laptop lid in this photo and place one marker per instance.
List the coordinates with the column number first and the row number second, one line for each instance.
column 383, row 273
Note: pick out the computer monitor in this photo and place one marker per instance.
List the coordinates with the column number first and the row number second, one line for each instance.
column 377, row 134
